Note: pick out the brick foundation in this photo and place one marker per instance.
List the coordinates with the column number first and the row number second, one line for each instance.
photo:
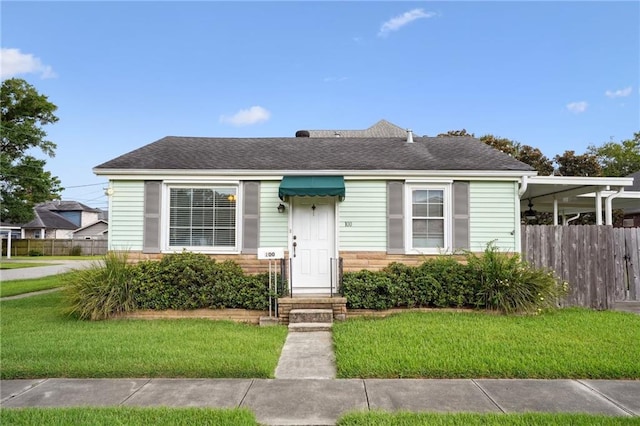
column 337, row 304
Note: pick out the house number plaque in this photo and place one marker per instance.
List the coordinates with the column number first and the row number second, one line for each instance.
column 268, row 253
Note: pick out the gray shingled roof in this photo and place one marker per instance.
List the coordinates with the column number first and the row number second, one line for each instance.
column 382, row 129
column 48, row 219
column 193, row 153
column 636, row 182
column 60, row 205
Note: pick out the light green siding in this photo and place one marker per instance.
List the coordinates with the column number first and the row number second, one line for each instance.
column 273, row 225
column 126, row 215
column 493, row 214
column 365, row 210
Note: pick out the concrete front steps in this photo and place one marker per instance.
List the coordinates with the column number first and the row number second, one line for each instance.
column 304, row 320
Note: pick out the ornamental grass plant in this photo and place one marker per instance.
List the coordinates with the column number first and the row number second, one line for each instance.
column 102, row 290
column 507, row 284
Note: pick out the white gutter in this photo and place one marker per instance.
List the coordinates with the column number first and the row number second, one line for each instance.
column 571, row 219
column 608, row 205
column 523, row 186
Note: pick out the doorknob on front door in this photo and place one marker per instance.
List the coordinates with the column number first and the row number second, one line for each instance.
column 294, row 248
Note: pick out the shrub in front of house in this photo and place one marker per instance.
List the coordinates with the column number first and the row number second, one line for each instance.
column 510, row 285
column 178, row 281
column 102, row 290
column 493, row 280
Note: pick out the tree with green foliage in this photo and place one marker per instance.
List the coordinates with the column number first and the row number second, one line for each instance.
column 570, row 164
column 23, row 180
column 457, row 133
column 502, row 144
column 536, row 159
column 618, row 159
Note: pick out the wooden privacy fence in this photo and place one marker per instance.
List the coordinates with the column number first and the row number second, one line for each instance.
column 50, row 247
column 600, row 263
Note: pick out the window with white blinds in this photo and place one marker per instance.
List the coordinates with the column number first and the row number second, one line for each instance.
column 202, row 217
column 428, row 218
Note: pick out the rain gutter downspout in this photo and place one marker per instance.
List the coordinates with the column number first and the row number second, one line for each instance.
column 608, row 203
column 571, row 219
column 523, row 186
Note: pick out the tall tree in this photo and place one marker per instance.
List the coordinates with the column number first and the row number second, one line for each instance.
column 618, row 159
column 570, row 164
column 502, row 144
column 458, row 133
column 23, row 179
column 536, row 159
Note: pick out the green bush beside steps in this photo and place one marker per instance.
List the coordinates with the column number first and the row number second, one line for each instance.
column 493, row 280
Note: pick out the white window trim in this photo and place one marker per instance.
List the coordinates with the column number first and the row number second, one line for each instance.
column 447, row 214
column 164, row 233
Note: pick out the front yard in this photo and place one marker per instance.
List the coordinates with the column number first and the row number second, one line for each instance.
column 568, row 343
column 38, row 340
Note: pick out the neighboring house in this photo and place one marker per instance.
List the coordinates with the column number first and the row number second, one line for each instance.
column 60, row 219
column 368, row 201
column 382, row 129
column 96, row 231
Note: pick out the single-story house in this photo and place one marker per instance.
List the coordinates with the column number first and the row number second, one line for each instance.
column 60, row 219
column 368, row 201
column 95, row 231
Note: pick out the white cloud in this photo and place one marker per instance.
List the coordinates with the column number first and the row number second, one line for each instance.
column 13, row 62
column 619, row 93
column 397, row 22
column 577, row 107
column 334, row 79
column 247, row 117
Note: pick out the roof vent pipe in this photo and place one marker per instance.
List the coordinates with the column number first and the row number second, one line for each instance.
column 336, row 134
column 409, row 136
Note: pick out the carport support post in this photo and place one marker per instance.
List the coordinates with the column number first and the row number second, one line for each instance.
column 599, row 207
column 555, row 211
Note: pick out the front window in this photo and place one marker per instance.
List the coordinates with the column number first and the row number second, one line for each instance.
column 427, row 227
column 202, row 217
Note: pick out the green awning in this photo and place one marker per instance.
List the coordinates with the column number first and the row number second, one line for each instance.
column 310, row 186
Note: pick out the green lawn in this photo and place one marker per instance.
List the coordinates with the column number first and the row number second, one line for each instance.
column 20, row 265
column 127, row 416
column 38, row 340
column 568, row 343
column 13, row 287
column 465, row 419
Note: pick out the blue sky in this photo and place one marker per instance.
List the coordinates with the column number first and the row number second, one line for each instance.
column 554, row 75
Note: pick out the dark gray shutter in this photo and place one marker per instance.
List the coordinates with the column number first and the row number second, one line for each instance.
column 395, row 217
column 151, row 228
column 250, row 217
column 461, row 215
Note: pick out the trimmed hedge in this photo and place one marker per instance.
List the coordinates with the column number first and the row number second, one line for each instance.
column 178, row 281
column 497, row 281
column 194, row 281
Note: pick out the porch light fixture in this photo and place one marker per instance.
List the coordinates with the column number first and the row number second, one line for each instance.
column 231, row 198
column 280, row 208
column 530, row 214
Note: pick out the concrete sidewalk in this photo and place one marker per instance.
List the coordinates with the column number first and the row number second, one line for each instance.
column 323, row 401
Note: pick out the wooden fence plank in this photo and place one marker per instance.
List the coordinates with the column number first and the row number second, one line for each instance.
column 632, row 246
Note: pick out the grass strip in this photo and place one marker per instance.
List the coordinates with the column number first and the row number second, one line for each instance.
column 14, row 287
column 131, row 416
column 39, row 340
column 47, row 258
column 467, row 419
column 22, row 265
column 567, row 343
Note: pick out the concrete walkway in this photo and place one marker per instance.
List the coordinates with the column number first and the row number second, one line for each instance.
column 307, row 355
column 322, row 402
column 56, row 267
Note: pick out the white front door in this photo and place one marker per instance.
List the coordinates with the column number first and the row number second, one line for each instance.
column 312, row 244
